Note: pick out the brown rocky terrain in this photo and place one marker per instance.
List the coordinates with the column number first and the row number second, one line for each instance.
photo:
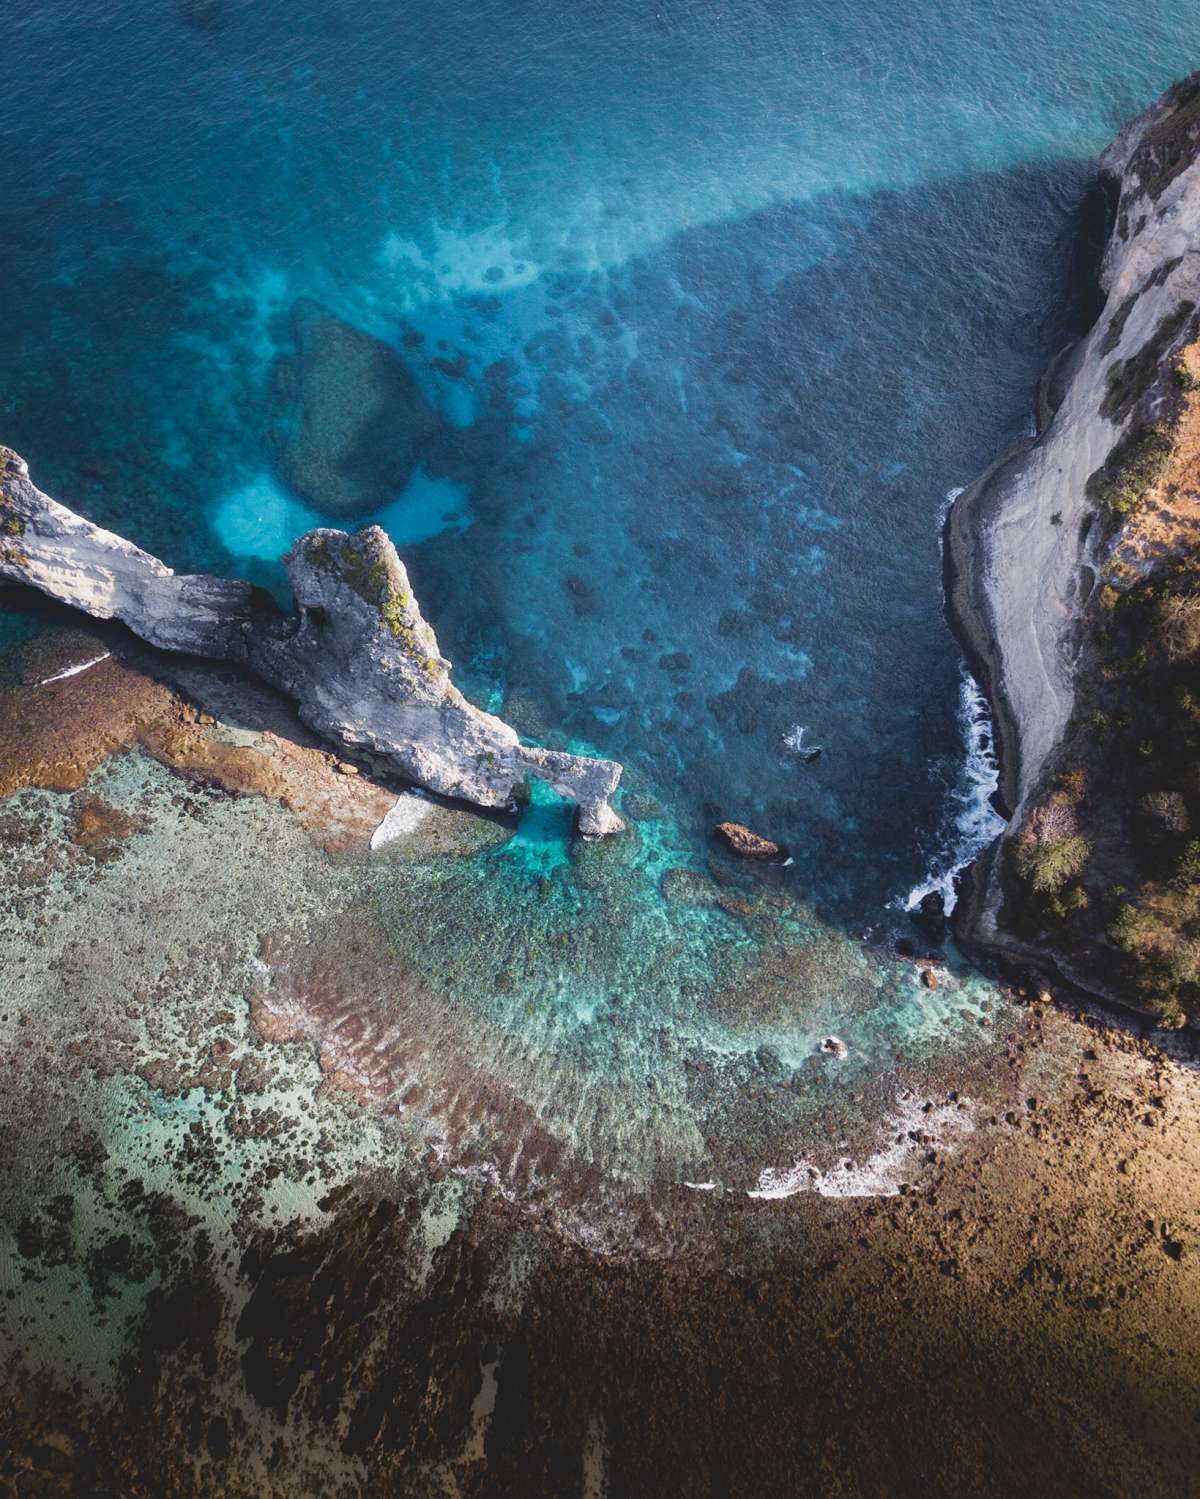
column 1024, row 1319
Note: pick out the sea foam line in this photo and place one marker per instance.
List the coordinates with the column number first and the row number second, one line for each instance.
column 972, row 822
column 73, row 671
column 881, row 1174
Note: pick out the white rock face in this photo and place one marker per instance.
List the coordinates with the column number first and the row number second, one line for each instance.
column 358, row 657
column 1023, row 543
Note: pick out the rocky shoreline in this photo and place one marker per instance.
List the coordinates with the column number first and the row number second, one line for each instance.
column 1037, row 553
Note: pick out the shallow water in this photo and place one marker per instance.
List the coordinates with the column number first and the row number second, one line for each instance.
column 700, row 313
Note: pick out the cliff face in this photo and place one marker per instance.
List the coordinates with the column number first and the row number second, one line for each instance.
column 1063, row 562
column 358, row 657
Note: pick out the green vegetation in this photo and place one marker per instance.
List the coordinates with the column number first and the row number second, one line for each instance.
column 360, row 561
column 1049, row 856
column 1050, row 867
column 364, row 562
column 1184, row 379
column 1135, row 464
column 1130, row 379
column 12, row 525
column 1106, row 868
column 393, row 610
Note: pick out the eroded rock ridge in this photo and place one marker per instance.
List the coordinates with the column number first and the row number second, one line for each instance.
column 357, row 656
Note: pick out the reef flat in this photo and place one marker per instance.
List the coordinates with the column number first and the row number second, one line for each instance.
column 234, row 1272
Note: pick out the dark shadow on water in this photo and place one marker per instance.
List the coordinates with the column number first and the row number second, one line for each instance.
column 678, row 584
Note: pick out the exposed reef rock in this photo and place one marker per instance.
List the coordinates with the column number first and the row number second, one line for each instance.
column 1069, row 564
column 747, row 845
column 358, row 658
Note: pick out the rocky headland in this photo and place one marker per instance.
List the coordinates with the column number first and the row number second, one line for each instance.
column 357, row 656
column 1073, row 581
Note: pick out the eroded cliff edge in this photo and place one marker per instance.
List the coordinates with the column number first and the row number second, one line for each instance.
column 1073, row 581
column 357, row 656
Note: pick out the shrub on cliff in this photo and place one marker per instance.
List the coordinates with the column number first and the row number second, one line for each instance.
column 1166, row 813
column 1168, row 146
column 1179, row 623
column 1135, row 464
column 1048, row 867
column 1050, row 853
column 1160, row 933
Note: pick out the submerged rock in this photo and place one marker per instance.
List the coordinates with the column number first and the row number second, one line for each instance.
column 747, row 845
column 362, row 421
column 358, row 657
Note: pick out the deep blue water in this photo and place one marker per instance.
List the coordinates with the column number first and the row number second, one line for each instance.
column 713, row 304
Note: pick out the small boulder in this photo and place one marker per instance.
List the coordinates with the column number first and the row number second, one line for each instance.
column 930, row 915
column 834, row 1046
column 747, row 845
column 929, row 978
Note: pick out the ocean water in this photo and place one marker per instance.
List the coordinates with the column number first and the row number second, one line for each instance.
column 662, row 334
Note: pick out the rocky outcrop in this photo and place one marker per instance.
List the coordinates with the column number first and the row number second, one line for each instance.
column 1046, row 538
column 747, row 845
column 1022, row 550
column 358, row 658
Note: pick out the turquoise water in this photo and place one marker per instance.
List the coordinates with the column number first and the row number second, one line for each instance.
column 688, row 317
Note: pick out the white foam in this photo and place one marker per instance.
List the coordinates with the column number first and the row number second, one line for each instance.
column 405, row 816
column 794, row 740
column 947, row 501
column 972, row 822
column 73, row 671
column 881, row 1174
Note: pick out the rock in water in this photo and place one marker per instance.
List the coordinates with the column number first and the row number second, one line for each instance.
column 930, row 915
column 361, row 422
column 748, row 845
column 359, row 659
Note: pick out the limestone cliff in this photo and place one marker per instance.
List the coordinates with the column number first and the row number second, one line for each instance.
column 1061, row 561
column 357, row 656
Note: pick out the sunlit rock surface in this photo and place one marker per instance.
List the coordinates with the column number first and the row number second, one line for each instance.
column 359, row 658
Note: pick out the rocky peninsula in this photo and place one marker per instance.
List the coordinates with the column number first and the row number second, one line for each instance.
column 1073, row 581
column 357, row 656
